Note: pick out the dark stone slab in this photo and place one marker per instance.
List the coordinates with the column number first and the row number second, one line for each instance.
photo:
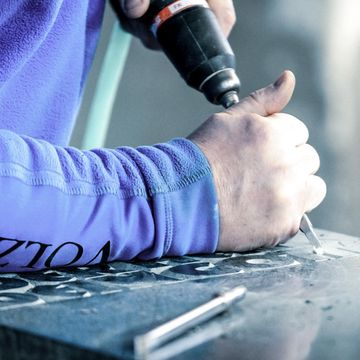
column 299, row 305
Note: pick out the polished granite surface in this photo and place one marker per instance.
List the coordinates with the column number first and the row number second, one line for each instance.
column 299, row 306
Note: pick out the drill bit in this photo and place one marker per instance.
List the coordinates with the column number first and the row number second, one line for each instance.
column 308, row 230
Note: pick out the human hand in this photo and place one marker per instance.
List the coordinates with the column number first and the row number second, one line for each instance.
column 129, row 11
column 262, row 167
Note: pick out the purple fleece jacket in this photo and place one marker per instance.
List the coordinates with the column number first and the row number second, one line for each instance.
column 60, row 206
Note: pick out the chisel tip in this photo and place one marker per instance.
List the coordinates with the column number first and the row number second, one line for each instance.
column 307, row 228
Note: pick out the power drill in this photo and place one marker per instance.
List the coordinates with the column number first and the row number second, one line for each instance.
column 190, row 36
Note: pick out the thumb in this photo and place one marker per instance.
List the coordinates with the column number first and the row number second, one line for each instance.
column 134, row 8
column 271, row 99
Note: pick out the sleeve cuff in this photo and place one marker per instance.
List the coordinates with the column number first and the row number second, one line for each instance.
column 190, row 208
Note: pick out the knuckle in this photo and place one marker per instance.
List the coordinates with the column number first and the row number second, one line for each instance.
column 283, row 195
column 217, row 117
column 315, row 156
column 300, row 127
column 311, row 150
column 321, row 185
column 255, row 130
column 297, row 125
column 221, row 123
column 311, row 153
column 316, row 192
column 303, row 129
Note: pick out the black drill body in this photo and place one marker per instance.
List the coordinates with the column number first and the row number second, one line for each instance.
column 193, row 41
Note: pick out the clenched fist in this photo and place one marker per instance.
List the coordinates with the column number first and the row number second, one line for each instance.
column 263, row 168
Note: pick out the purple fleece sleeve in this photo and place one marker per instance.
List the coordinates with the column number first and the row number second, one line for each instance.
column 62, row 206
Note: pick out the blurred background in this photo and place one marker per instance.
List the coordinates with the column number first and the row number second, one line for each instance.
column 319, row 40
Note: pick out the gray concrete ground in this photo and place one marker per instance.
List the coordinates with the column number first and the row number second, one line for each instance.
column 318, row 39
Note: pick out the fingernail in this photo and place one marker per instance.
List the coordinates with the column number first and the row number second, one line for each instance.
column 130, row 5
column 280, row 80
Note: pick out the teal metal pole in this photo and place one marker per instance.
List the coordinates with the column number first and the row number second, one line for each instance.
column 109, row 78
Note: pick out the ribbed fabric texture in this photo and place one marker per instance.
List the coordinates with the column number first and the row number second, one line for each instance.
column 62, row 206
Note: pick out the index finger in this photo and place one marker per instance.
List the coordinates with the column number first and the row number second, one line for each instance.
column 291, row 128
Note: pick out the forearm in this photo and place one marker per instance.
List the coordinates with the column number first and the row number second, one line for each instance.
column 63, row 206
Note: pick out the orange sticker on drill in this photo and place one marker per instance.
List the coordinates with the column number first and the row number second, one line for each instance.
column 174, row 8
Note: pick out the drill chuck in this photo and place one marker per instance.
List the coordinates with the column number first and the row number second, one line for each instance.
column 190, row 36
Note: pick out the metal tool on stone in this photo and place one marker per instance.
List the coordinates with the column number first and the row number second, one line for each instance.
column 307, row 228
column 144, row 344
